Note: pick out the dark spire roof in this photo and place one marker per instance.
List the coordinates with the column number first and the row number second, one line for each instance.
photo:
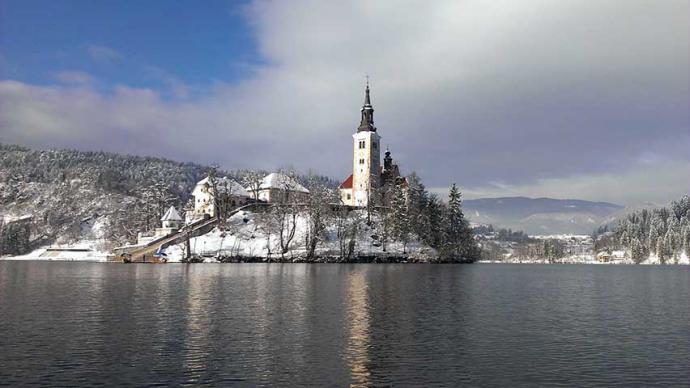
column 387, row 160
column 367, row 122
column 367, row 99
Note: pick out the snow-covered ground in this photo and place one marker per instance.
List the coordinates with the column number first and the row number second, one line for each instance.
column 78, row 252
column 245, row 237
column 591, row 259
column 89, row 247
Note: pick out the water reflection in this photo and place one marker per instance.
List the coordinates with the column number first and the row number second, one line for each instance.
column 358, row 322
column 196, row 345
column 85, row 324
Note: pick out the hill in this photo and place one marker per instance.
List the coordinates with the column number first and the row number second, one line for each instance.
column 63, row 196
column 539, row 216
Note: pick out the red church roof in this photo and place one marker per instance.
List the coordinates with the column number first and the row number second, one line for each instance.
column 347, row 183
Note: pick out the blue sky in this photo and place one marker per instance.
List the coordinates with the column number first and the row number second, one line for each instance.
column 128, row 42
column 564, row 99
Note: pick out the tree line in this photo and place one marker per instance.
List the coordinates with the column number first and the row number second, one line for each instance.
column 64, row 189
column 663, row 232
column 399, row 214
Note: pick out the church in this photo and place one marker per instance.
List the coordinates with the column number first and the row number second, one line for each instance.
column 369, row 179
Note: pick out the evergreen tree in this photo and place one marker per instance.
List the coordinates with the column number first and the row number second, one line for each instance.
column 433, row 232
column 637, row 251
column 458, row 238
column 400, row 217
column 417, row 202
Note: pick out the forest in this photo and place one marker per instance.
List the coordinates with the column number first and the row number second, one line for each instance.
column 58, row 191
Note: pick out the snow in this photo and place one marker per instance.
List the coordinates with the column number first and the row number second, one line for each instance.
column 245, row 238
column 655, row 260
column 84, row 250
column 222, row 184
column 235, row 188
column 280, row 181
column 171, row 215
column 616, row 257
column 91, row 245
column 579, row 237
column 9, row 218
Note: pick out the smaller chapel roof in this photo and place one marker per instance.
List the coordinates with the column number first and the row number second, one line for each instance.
column 224, row 184
column 280, row 181
column 171, row 215
column 347, row 183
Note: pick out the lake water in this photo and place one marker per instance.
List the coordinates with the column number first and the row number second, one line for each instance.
column 334, row 325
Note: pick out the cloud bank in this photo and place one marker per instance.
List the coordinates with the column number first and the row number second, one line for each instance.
column 562, row 99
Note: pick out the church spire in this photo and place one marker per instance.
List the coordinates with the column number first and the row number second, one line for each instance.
column 367, row 99
column 367, row 122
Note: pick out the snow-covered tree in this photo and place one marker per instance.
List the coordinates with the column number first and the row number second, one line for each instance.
column 318, row 211
column 401, row 227
column 458, row 238
column 663, row 232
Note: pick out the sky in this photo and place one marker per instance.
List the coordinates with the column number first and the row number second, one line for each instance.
column 539, row 98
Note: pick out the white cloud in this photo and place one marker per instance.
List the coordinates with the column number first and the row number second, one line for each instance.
column 473, row 92
column 74, row 78
column 103, row 54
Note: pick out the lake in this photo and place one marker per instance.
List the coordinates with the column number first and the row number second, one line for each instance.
column 70, row 323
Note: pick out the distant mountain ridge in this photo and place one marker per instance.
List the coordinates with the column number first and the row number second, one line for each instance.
column 541, row 215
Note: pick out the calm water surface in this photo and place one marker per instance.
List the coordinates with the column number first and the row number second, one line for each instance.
column 336, row 325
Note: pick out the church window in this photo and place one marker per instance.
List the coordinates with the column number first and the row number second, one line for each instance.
column 362, row 144
column 349, row 196
column 374, row 145
column 361, row 161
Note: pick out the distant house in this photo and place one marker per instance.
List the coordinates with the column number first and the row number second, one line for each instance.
column 615, row 256
column 204, row 204
column 603, row 257
column 276, row 187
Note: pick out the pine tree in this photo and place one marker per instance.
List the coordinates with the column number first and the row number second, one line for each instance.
column 400, row 216
column 458, row 244
column 637, row 251
column 433, row 234
column 417, row 202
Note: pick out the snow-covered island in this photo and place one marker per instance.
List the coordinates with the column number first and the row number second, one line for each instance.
column 375, row 214
column 71, row 205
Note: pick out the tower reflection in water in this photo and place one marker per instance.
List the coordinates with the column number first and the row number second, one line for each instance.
column 358, row 321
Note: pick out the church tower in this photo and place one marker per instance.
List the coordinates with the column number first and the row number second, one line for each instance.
column 366, row 162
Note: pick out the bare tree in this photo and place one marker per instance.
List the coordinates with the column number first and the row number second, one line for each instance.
column 318, row 211
column 285, row 212
column 353, row 233
column 252, row 180
column 223, row 197
column 348, row 226
column 341, row 217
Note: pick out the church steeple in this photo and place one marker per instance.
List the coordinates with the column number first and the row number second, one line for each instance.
column 367, row 122
column 366, row 159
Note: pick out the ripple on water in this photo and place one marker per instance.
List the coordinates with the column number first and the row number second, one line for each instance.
column 360, row 325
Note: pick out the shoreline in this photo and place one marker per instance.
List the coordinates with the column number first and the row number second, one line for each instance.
column 360, row 261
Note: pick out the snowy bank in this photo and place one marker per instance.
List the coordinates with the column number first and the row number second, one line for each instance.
column 246, row 239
